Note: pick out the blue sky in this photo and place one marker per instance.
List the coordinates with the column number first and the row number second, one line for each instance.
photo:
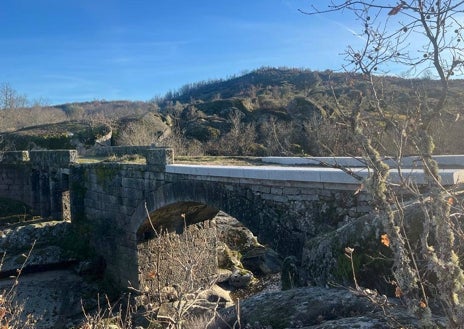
column 82, row 50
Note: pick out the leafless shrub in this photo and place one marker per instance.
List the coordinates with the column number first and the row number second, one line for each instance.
column 239, row 140
column 12, row 314
column 176, row 139
column 418, row 36
column 177, row 269
column 11, row 120
column 113, row 315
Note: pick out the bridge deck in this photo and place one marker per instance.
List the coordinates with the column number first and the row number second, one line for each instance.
column 306, row 169
column 308, row 174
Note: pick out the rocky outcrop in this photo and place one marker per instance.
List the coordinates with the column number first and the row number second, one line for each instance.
column 319, row 308
column 22, row 237
column 38, row 246
column 241, row 255
column 323, row 259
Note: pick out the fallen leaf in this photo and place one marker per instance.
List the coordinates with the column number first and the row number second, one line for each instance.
column 151, row 275
column 385, row 240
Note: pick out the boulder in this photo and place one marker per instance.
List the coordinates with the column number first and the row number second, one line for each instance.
column 241, row 278
column 262, row 261
column 321, row 308
column 324, row 261
column 22, row 237
column 216, row 294
column 240, row 248
column 234, row 234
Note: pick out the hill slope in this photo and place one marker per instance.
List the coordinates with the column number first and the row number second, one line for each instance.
column 266, row 111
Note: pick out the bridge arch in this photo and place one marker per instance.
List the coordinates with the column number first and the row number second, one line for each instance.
column 266, row 220
column 174, row 218
column 200, row 201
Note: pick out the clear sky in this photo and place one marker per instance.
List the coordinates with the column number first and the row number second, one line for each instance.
column 82, row 50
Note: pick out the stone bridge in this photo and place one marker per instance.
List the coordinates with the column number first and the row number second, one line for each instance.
column 283, row 202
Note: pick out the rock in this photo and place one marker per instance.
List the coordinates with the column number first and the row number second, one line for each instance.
column 40, row 243
column 323, row 258
column 317, row 307
column 234, row 234
column 290, row 277
column 227, row 258
column 223, row 275
column 241, row 278
column 216, row 294
column 43, row 233
column 262, row 261
column 54, row 298
column 239, row 248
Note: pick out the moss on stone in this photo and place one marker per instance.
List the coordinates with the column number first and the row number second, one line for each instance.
column 105, row 174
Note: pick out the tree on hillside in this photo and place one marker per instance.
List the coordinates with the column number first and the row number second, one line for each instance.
column 10, row 99
column 419, row 36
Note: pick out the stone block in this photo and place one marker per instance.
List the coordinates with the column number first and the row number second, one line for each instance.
column 304, row 197
column 291, row 191
column 279, row 198
column 158, row 158
column 276, row 190
column 261, row 189
column 53, row 158
column 132, row 183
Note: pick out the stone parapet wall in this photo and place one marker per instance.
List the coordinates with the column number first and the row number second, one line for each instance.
column 42, row 158
column 14, row 157
column 53, row 158
column 39, row 179
column 344, row 200
column 118, row 151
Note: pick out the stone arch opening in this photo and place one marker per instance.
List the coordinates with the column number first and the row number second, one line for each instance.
column 176, row 247
column 190, row 244
column 174, row 218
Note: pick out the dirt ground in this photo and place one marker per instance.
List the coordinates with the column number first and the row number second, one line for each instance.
column 53, row 298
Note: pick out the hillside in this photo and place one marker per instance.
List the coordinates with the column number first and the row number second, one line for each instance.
column 269, row 111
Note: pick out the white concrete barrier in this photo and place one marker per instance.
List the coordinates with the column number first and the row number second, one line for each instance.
column 447, row 161
column 309, row 174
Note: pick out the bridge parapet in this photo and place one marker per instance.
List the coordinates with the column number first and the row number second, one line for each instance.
column 40, row 158
column 39, row 178
column 158, row 158
column 411, row 162
column 53, row 158
column 118, row 151
column 14, row 157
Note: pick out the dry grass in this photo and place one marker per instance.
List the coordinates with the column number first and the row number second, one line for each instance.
column 220, row 160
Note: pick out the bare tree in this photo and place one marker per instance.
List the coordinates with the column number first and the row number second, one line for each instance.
column 241, row 137
column 420, row 36
column 10, row 99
